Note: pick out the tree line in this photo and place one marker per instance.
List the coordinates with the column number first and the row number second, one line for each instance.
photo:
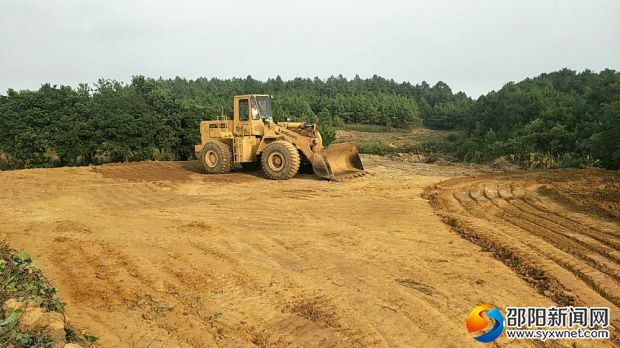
column 561, row 117
column 149, row 118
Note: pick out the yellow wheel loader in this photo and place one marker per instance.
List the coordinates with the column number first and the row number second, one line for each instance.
column 251, row 139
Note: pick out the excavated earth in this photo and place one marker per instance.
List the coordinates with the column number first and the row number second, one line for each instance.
column 560, row 229
column 157, row 254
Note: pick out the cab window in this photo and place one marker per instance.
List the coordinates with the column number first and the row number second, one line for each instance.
column 244, row 113
column 264, row 103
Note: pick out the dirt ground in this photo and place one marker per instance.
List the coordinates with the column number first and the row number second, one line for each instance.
column 559, row 229
column 158, row 254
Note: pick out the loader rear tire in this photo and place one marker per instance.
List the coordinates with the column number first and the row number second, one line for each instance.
column 216, row 157
column 280, row 160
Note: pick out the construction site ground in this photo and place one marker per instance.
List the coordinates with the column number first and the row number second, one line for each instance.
column 158, row 254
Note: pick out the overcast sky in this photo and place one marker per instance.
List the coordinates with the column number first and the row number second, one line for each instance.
column 474, row 46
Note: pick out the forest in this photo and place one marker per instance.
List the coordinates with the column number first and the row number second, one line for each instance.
column 563, row 118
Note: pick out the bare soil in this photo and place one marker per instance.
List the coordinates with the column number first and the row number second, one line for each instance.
column 158, row 254
column 558, row 229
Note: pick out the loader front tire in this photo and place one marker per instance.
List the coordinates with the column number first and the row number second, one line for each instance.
column 216, row 157
column 280, row 160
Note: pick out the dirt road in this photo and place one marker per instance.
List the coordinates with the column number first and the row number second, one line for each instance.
column 159, row 255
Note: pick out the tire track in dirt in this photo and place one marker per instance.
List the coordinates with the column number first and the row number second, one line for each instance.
column 601, row 227
column 570, row 257
column 129, row 284
column 301, row 316
column 577, row 232
column 516, row 251
column 110, row 287
column 537, row 213
column 563, row 240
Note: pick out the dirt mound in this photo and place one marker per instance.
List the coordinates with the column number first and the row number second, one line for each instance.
column 149, row 171
column 554, row 244
column 592, row 190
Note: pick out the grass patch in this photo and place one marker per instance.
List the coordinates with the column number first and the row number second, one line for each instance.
column 24, row 285
column 370, row 128
column 377, row 140
column 376, row 148
column 428, row 147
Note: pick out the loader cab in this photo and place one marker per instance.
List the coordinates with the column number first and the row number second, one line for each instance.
column 250, row 113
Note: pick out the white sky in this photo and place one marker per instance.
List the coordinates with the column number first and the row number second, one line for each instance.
column 474, row 46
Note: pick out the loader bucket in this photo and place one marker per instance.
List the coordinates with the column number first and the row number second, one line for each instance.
column 338, row 161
